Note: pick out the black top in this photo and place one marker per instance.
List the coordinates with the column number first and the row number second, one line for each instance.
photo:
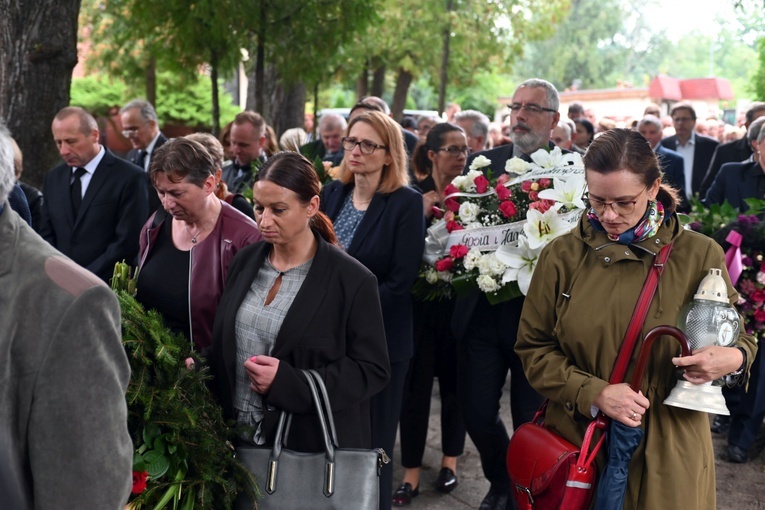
column 163, row 283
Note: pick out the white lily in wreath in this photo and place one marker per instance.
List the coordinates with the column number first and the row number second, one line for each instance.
column 566, row 193
column 520, row 261
column 547, row 160
column 541, row 228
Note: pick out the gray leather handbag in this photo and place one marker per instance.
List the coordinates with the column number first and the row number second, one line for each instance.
column 339, row 478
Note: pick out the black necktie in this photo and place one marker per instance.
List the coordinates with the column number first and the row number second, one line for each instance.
column 141, row 159
column 76, row 190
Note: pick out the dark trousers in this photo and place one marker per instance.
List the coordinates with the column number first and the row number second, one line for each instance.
column 746, row 418
column 435, row 355
column 487, row 353
column 386, row 409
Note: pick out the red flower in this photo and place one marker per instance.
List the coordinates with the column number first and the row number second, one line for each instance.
column 526, row 186
column 508, row 209
column 759, row 315
column 450, row 189
column 139, row 481
column 502, row 179
column 436, row 212
column 452, row 204
column 758, row 296
column 451, row 226
column 541, row 205
column 444, row 264
column 481, row 184
column 545, row 183
column 503, row 193
column 458, row 251
column 533, row 195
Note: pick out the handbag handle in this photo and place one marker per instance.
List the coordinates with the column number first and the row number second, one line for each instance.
column 330, row 443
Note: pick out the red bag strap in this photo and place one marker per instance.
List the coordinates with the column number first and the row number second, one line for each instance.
column 639, row 315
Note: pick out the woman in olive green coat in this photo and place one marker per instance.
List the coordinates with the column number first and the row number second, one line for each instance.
column 581, row 298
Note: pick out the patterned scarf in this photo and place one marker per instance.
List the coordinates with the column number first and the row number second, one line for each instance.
column 645, row 228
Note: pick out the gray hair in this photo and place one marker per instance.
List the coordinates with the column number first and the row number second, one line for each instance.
column 7, row 169
column 480, row 122
column 755, row 107
column 332, row 121
column 553, row 100
column 144, row 108
column 566, row 128
column 755, row 130
column 651, row 119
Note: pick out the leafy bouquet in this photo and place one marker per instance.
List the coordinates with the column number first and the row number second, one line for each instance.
column 491, row 232
column 183, row 457
column 743, row 235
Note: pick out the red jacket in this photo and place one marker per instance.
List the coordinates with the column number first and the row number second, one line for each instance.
column 209, row 264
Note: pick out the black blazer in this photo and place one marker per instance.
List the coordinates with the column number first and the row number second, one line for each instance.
column 334, row 326
column 736, row 182
column 389, row 241
column 132, row 156
column 702, row 154
column 673, row 166
column 107, row 228
column 736, row 151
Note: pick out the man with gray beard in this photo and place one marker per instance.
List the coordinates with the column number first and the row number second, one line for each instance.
column 533, row 115
column 486, row 333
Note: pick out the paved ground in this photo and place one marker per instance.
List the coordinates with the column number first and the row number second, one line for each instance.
column 739, row 487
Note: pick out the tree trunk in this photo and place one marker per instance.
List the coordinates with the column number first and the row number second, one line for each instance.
column 378, row 81
column 291, row 110
column 151, row 81
column 362, row 83
column 36, row 65
column 260, row 61
column 444, row 78
column 215, row 97
column 403, row 81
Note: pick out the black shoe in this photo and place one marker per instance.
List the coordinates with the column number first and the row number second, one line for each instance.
column 495, row 500
column 721, row 424
column 737, row 455
column 446, row 481
column 404, row 495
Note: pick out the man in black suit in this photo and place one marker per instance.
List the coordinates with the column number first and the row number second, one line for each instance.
column 95, row 203
column 696, row 150
column 486, row 333
column 140, row 125
column 735, row 151
column 672, row 163
column 329, row 146
column 248, row 137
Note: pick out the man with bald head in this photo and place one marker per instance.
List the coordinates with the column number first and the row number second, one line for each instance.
column 95, row 203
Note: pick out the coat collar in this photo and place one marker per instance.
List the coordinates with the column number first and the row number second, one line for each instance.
column 372, row 215
column 610, row 252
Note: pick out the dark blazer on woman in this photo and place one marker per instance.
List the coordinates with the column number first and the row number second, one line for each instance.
column 736, row 182
column 334, row 326
column 389, row 241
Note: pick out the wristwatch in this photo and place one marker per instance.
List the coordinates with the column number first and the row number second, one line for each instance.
column 735, row 377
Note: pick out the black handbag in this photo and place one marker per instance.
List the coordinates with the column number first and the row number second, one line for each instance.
column 338, row 478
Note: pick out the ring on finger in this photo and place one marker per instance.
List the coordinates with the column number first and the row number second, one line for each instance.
column 634, row 416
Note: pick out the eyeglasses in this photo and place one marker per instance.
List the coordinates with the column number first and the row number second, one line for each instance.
column 533, row 109
column 455, row 151
column 621, row 207
column 366, row 146
column 127, row 133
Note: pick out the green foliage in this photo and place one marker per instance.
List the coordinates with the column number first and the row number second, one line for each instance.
column 178, row 431
column 758, row 80
column 181, row 100
column 710, row 220
column 97, row 93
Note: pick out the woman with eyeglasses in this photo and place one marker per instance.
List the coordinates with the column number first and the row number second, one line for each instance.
column 582, row 296
column 436, row 162
column 378, row 220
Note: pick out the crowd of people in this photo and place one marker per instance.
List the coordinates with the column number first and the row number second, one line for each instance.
column 311, row 277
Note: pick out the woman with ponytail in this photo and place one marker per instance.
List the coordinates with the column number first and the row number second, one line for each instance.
column 295, row 301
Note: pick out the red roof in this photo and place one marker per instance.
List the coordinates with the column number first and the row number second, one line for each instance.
column 668, row 88
column 706, row 88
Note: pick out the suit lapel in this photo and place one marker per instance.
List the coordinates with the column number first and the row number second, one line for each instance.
column 370, row 219
column 62, row 182
column 97, row 181
column 305, row 304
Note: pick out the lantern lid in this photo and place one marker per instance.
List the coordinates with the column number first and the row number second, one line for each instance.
column 713, row 287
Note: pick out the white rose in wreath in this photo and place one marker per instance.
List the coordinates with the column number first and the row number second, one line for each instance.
column 487, row 283
column 469, row 212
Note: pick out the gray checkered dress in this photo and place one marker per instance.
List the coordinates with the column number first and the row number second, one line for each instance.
column 257, row 326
